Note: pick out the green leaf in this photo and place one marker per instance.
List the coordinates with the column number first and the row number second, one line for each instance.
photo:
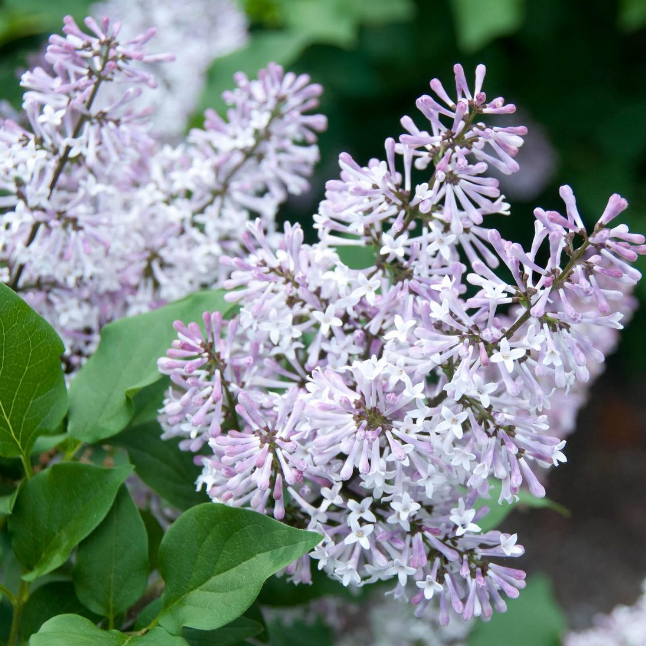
column 155, row 533
column 300, row 633
column 49, row 600
column 306, row 22
column 478, row 22
column 498, row 512
column 357, row 256
column 48, row 442
column 7, row 500
column 148, row 615
column 33, row 398
column 101, row 395
column 214, row 560
column 534, row 619
column 238, row 630
column 279, row 592
column 148, row 401
column 282, row 47
column 57, row 509
column 111, row 567
column 72, row 630
column 161, row 465
column 331, row 22
column 382, row 12
column 632, row 14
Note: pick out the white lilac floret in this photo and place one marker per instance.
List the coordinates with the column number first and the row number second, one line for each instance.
column 420, row 385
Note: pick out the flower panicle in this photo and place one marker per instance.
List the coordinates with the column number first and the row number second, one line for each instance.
column 390, row 408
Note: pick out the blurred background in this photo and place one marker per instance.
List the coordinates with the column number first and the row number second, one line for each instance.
column 577, row 72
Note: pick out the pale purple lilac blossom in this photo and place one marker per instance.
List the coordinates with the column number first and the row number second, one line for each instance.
column 197, row 32
column 100, row 220
column 394, row 398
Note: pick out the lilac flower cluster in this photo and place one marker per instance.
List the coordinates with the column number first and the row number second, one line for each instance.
column 102, row 221
column 197, row 32
column 380, row 406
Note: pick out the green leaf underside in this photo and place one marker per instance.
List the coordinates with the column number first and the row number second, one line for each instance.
column 214, row 560
column 33, row 397
column 57, row 509
column 101, row 395
column 238, row 630
column 72, row 630
column 161, row 465
column 111, row 566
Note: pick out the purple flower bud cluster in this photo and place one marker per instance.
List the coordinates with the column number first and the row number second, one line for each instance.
column 100, row 219
column 380, row 406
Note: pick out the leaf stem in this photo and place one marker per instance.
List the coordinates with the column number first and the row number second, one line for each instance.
column 72, row 450
column 26, row 463
column 20, row 600
column 7, row 593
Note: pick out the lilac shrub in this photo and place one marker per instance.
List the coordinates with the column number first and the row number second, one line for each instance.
column 379, row 406
column 100, row 219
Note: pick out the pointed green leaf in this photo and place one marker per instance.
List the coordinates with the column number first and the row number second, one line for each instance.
column 161, row 465
column 214, row 560
column 57, row 509
column 72, row 630
column 7, row 499
column 111, row 566
column 155, row 533
column 101, row 395
column 33, row 398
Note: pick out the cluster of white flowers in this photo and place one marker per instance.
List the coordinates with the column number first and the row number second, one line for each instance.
column 380, row 406
column 197, row 32
column 100, row 220
column 624, row 626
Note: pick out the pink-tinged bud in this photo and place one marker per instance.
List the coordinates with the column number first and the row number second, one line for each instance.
column 616, row 204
